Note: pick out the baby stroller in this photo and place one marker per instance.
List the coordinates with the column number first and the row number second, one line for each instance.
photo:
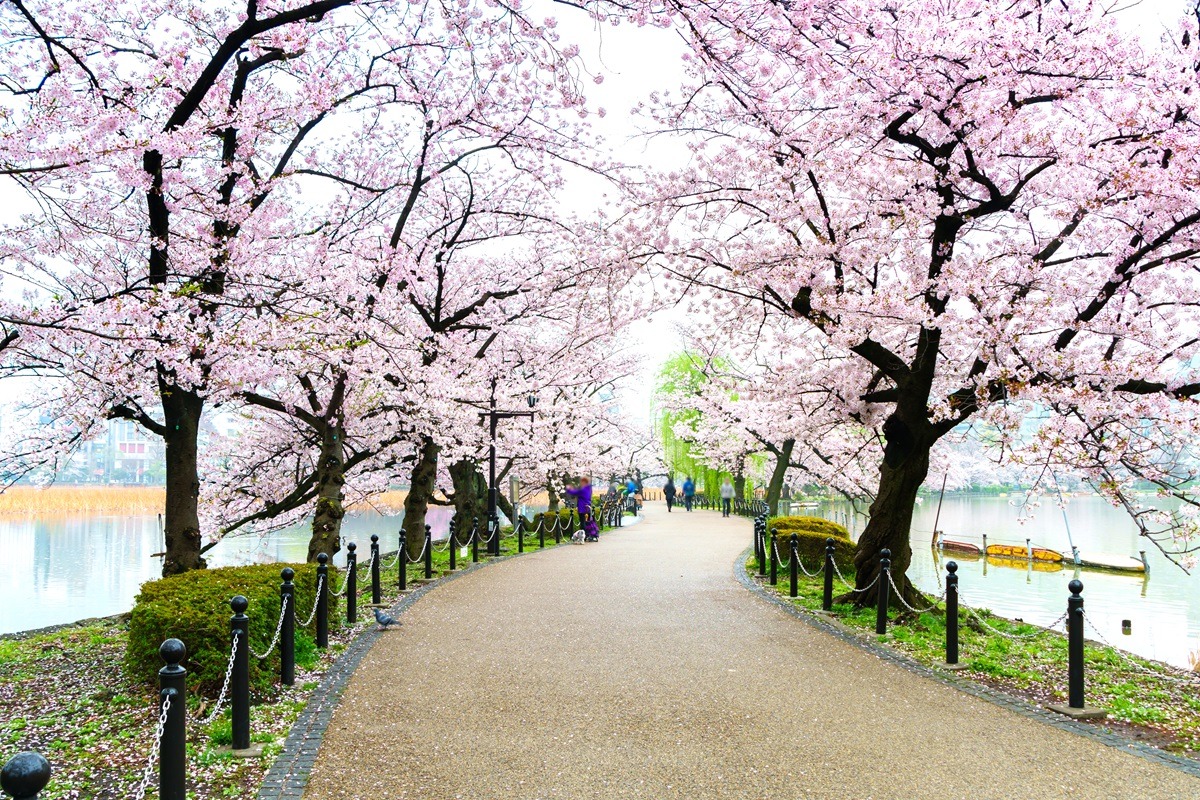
column 591, row 531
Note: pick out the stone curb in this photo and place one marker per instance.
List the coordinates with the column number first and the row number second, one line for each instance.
column 1013, row 703
column 288, row 775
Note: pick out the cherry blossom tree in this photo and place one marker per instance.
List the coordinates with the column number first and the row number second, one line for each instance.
column 193, row 173
column 966, row 211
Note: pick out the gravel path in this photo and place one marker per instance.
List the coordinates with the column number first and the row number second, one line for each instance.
column 638, row 667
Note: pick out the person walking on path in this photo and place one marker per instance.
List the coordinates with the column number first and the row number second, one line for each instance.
column 583, row 503
column 669, row 493
column 689, row 492
column 726, row 497
column 634, row 489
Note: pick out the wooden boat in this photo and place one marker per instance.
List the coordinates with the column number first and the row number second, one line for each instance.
column 1020, row 552
column 1112, row 562
column 1024, row 563
column 966, row 548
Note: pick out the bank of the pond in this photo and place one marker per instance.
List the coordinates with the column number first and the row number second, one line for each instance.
column 1143, row 698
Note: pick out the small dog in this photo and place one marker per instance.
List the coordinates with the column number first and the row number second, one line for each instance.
column 577, row 537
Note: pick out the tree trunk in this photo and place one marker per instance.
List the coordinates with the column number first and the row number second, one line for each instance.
column 466, row 504
column 904, row 468
column 327, row 520
column 739, row 478
column 553, row 497
column 424, row 480
column 783, row 459
column 182, row 409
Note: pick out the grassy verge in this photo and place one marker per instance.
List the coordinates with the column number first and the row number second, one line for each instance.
column 1145, row 700
column 64, row 695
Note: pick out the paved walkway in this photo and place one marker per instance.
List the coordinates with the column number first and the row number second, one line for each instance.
column 640, row 668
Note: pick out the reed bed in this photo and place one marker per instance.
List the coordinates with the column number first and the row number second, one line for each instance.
column 66, row 500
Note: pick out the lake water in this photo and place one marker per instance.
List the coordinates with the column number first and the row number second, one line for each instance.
column 1163, row 606
column 61, row 569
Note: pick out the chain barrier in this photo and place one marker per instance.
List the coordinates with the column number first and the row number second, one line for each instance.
column 451, row 538
column 421, row 557
column 1005, row 634
column 779, row 561
column 1189, row 681
column 849, row 585
column 900, row 596
column 492, row 536
column 148, row 772
column 278, row 629
column 225, row 686
column 394, row 561
column 316, row 602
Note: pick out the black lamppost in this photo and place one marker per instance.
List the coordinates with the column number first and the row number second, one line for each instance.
column 493, row 492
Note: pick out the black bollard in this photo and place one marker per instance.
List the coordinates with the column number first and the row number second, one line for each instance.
column 827, row 595
column 24, row 776
column 542, row 532
column 287, row 631
column 172, row 754
column 428, row 553
column 453, row 545
column 758, row 553
column 951, row 612
column 239, row 682
column 352, row 582
column 794, row 566
column 474, row 540
column 376, row 589
column 885, row 565
column 1075, row 645
column 322, row 600
column 494, row 533
column 557, row 528
column 774, row 556
column 402, row 562
column 520, row 531
column 762, row 547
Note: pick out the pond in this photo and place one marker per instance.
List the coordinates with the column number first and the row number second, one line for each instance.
column 59, row 569
column 1163, row 606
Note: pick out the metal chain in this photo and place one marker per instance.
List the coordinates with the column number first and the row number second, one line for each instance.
column 778, row 560
column 225, row 686
column 1005, row 634
column 421, row 557
column 847, row 583
column 1139, row 667
column 900, row 596
column 148, row 772
column 394, row 562
column 278, row 629
column 316, row 602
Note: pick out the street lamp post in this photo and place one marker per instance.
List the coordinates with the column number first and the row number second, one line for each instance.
column 493, row 491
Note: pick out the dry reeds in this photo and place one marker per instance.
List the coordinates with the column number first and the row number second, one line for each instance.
column 67, row 500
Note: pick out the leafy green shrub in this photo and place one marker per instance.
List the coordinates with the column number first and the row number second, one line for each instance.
column 194, row 608
column 813, row 524
column 567, row 520
column 811, row 547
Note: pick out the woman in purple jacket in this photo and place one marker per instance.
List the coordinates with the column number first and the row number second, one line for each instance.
column 583, row 502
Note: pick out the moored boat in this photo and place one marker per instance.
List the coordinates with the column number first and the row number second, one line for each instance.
column 1112, row 562
column 1021, row 552
column 966, row 548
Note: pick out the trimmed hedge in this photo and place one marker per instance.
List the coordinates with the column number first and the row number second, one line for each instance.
column 566, row 520
column 194, row 608
column 814, row 524
column 811, row 546
column 811, row 533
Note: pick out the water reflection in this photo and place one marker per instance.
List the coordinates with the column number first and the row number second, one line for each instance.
column 62, row 569
column 1163, row 605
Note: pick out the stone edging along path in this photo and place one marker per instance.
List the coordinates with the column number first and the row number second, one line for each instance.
column 288, row 775
column 1011, row 702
